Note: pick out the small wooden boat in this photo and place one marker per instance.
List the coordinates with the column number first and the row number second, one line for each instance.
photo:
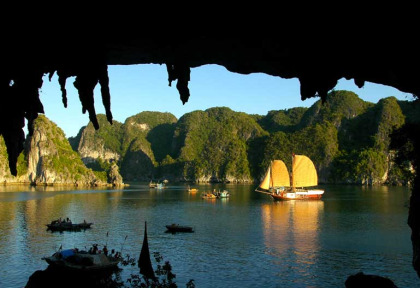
column 223, row 194
column 67, row 225
column 208, row 195
column 192, row 190
column 178, row 228
column 83, row 261
column 156, row 185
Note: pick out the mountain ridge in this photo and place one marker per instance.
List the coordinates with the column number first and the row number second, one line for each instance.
column 221, row 145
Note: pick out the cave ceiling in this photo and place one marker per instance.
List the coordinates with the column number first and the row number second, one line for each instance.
column 317, row 65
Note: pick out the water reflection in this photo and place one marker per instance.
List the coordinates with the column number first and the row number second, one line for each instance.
column 291, row 230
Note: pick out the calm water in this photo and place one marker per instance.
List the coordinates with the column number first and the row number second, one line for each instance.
column 245, row 241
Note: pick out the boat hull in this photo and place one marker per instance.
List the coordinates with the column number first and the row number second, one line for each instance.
column 177, row 228
column 222, row 194
column 83, row 262
column 298, row 195
column 68, row 226
column 208, row 196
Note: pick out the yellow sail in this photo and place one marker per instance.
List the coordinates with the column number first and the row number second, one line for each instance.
column 279, row 174
column 304, row 172
column 276, row 176
column 265, row 184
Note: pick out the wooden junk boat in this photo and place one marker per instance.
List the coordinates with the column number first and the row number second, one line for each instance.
column 281, row 186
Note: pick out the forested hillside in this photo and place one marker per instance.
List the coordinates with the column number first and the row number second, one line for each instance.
column 347, row 138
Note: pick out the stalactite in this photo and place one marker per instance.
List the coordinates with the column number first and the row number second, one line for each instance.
column 62, row 78
column 182, row 84
column 106, row 95
column 182, row 73
column 307, row 89
column 171, row 73
column 317, row 85
column 12, row 121
column 324, row 85
column 359, row 82
column 14, row 138
column 26, row 88
column 85, row 84
column 20, row 100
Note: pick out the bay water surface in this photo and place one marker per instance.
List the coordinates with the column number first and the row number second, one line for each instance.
column 248, row 240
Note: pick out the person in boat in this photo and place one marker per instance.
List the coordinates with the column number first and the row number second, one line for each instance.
column 93, row 249
column 105, row 250
column 279, row 190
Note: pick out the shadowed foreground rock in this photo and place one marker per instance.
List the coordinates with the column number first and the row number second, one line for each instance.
column 54, row 278
column 361, row 280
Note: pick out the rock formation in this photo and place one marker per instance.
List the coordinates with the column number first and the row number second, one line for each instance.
column 49, row 160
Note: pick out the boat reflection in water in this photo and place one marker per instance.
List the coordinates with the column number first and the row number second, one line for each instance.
column 291, row 231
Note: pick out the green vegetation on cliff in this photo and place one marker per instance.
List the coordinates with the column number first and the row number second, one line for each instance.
column 109, row 136
column 282, row 120
column 146, row 138
column 49, row 159
column 213, row 144
column 364, row 144
column 347, row 138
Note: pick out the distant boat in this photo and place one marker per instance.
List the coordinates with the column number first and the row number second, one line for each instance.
column 208, row 195
column 280, row 186
column 192, row 190
column 178, row 228
column 67, row 225
column 83, row 261
column 156, row 185
column 223, row 194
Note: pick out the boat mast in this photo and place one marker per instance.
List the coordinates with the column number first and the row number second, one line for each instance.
column 291, row 174
column 270, row 182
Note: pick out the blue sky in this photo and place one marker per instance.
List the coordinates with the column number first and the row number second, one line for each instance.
column 137, row 88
